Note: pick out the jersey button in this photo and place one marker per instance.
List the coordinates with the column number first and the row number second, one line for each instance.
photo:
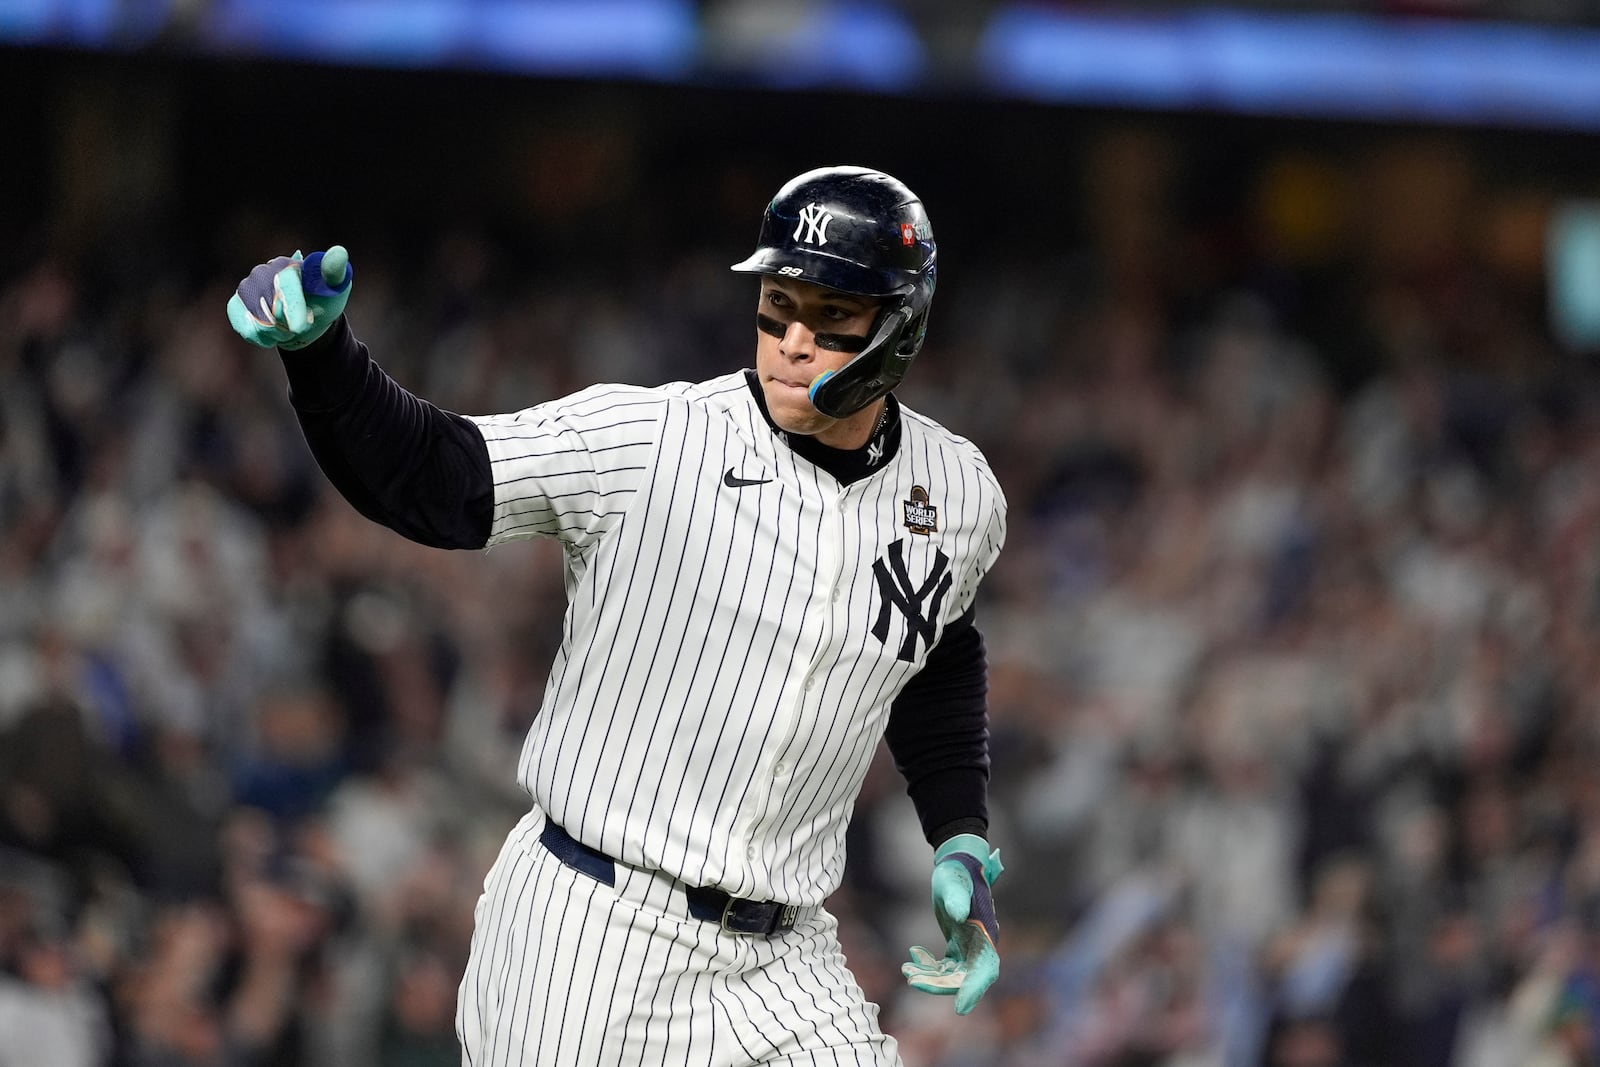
column 750, row 853
column 810, row 681
column 780, row 769
column 837, row 593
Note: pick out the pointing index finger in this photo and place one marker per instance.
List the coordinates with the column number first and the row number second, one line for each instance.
column 334, row 262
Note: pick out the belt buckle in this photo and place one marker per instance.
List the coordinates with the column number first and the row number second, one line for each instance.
column 727, row 913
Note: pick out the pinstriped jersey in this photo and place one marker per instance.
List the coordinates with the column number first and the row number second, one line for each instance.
column 738, row 622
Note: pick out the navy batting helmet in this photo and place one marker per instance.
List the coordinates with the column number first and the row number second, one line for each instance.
column 858, row 231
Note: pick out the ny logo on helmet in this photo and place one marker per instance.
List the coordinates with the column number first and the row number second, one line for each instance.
column 813, row 228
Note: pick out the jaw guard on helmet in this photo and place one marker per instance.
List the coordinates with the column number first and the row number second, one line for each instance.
column 862, row 232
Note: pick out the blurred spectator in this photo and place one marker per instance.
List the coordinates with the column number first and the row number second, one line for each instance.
column 51, row 1014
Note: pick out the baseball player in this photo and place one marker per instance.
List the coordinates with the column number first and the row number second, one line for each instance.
column 766, row 573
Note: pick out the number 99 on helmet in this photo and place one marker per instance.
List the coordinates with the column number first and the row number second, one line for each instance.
column 863, row 232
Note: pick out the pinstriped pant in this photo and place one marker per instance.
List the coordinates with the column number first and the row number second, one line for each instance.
column 568, row 971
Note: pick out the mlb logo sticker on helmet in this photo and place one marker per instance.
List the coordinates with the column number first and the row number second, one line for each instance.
column 908, row 234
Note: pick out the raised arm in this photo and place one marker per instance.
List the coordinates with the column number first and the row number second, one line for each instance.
column 399, row 460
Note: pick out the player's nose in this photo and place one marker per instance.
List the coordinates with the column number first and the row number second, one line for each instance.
column 798, row 341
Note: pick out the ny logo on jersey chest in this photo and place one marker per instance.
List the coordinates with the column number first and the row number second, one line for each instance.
column 896, row 589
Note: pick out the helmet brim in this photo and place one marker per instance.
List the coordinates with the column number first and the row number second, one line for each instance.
column 828, row 271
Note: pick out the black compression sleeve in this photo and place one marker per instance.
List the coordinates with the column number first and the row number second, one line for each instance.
column 939, row 735
column 419, row 470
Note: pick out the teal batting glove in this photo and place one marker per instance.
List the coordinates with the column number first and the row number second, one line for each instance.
column 963, row 870
column 289, row 302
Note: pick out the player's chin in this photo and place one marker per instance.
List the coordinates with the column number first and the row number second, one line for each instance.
column 790, row 407
column 798, row 417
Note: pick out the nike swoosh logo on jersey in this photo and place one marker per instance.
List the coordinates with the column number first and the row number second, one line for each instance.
column 739, row 483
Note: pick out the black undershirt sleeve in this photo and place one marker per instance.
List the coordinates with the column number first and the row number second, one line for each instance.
column 939, row 735
column 399, row 460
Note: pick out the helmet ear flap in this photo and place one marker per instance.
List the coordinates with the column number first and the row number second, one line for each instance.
column 877, row 368
column 912, row 337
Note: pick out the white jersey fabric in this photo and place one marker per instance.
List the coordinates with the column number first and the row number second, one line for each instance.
column 738, row 622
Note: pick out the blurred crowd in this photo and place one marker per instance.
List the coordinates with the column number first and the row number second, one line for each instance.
column 1293, row 657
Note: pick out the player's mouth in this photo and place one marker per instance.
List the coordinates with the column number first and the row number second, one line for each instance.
column 804, row 387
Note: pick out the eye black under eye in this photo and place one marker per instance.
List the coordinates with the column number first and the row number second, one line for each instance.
column 841, row 342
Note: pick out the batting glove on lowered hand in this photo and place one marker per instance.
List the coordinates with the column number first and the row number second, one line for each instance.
column 291, row 301
column 963, row 870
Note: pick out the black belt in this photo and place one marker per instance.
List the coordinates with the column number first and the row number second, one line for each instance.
column 733, row 914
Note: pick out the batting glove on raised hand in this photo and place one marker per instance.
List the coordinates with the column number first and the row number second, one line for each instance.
column 289, row 302
column 963, row 870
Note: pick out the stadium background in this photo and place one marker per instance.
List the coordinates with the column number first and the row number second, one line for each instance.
column 1294, row 658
